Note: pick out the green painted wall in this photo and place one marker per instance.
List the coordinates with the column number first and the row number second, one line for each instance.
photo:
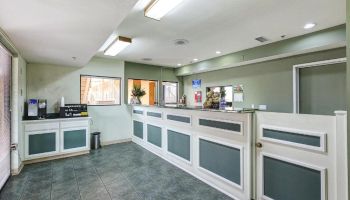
column 322, row 89
column 52, row 81
column 331, row 37
column 269, row 83
column 150, row 72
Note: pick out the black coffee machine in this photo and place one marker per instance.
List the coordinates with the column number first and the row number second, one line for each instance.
column 36, row 109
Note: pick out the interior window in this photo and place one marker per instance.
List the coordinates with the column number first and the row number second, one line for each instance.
column 228, row 92
column 99, row 90
column 149, row 86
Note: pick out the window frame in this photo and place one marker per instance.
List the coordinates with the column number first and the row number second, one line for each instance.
column 140, row 79
column 108, row 77
column 177, row 92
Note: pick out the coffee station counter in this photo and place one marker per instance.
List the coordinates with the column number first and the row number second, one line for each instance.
column 54, row 119
column 46, row 139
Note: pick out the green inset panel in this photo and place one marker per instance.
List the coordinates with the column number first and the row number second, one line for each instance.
column 288, row 181
column 220, row 159
column 179, row 144
column 74, row 139
column 140, row 112
column 220, row 125
column 154, row 114
column 154, row 135
column 138, row 129
column 179, row 118
column 292, row 137
column 42, row 143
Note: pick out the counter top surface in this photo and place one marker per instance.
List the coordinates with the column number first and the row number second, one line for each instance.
column 199, row 108
column 55, row 119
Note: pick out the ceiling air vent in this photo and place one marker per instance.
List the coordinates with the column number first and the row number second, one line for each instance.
column 180, row 42
column 147, row 59
column 261, row 39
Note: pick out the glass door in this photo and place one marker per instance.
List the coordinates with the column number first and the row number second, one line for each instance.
column 5, row 120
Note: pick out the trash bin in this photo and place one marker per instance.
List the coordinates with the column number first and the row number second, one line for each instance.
column 95, row 140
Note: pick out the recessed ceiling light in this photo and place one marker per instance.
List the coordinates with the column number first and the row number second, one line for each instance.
column 119, row 44
column 196, row 59
column 309, row 25
column 218, row 52
column 179, row 64
column 158, row 8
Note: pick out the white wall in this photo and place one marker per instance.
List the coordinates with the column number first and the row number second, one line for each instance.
column 51, row 82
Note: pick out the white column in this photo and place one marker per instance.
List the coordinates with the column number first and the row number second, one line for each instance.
column 14, row 115
column 341, row 154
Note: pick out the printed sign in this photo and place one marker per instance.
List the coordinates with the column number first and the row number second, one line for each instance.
column 238, row 93
column 196, row 83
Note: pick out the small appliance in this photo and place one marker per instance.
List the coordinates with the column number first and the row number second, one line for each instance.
column 36, row 108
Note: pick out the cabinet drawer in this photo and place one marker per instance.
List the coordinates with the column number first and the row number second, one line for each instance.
column 72, row 124
column 41, row 126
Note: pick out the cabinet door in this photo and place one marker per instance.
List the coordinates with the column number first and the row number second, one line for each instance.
column 41, row 144
column 74, row 139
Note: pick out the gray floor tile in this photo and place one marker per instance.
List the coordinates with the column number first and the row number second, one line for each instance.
column 119, row 172
column 95, row 193
column 66, row 191
column 122, row 190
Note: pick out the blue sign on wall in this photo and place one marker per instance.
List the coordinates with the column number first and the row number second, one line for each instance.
column 196, row 83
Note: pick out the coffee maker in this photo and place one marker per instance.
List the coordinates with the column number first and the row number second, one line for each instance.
column 36, row 109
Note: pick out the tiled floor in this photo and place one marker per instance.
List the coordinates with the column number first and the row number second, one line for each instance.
column 122, row 172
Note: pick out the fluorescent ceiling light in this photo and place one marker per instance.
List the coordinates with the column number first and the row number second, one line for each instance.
column 179, row 64
column 196, row 59
column 108, row 42
column 218, row 52
column 119, row 44
column 309, row 25
column 158, row 8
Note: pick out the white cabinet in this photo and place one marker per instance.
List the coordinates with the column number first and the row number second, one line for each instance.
column 74, row 139
column 41, row 143
column 45, row 138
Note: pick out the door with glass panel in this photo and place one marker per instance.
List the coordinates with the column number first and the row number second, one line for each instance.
column 5, row 121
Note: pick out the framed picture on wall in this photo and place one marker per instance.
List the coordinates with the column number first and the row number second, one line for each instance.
column 238, row 93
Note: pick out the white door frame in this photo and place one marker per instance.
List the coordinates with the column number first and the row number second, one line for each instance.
column 296, row 69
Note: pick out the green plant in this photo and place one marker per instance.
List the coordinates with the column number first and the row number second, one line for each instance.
column 137, row 91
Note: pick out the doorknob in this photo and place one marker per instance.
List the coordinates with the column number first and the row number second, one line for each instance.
column 258, row 145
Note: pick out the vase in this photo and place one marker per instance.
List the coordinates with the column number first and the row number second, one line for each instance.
column 135, row 100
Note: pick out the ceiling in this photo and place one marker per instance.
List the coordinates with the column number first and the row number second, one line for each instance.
column 55, row 31
column 221, row 25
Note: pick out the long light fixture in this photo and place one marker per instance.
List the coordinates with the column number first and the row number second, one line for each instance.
column 119, row 44
column 158, row 8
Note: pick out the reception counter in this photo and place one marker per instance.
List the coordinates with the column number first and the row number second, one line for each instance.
column 212, row 145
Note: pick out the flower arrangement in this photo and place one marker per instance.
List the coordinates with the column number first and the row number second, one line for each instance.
column 137, row 92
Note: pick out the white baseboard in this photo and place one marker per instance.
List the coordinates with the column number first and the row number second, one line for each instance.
column 26, row 162
column 115, row 141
